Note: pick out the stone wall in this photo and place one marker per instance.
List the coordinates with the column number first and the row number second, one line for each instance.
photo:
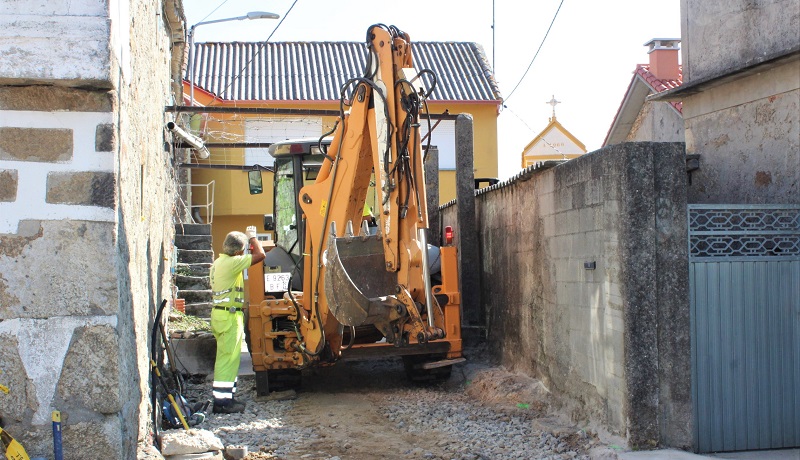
column 86, row 211
column 584, row 280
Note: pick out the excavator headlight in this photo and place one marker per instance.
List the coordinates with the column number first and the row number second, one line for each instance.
column 448, row 235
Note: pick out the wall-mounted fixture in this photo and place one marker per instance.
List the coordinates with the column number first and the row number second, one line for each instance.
column 194, row 142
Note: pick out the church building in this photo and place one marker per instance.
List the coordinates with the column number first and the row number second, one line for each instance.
column 553, row 143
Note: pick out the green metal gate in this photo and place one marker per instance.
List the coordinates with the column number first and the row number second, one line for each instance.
column 744, row 268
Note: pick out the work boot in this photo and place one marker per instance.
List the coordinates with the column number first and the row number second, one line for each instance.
column 234, row 407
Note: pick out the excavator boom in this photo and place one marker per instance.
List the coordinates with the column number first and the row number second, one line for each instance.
column 357, row 290
column 374, row 279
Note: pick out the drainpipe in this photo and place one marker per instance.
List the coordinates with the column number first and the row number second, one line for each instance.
column 195, row 142
column 202, row 152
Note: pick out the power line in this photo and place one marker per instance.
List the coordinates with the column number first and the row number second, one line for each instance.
column 537, row 52
column 521, row 120
column 260, row 47
column 214, row 10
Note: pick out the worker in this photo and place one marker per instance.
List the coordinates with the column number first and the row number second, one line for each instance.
column 227, row 318
column 367, row 216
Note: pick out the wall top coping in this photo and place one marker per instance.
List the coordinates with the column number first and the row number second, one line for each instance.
column 746, row 69
column 521, row 176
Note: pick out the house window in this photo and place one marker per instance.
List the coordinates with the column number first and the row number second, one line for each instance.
column 273, row 130
column 443, row 137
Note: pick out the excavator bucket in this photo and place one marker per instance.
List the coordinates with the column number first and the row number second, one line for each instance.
column 357, row 284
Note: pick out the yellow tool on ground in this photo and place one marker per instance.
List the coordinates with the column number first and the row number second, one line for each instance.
column 3, row 388
column 14, row 450
column 169, row 395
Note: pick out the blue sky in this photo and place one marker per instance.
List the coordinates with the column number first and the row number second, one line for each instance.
column 586, row 62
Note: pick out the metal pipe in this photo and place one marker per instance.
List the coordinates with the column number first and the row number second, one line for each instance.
column 195, row 142
column 422, row 237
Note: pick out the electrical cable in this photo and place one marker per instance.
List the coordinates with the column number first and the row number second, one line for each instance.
column 335, row 165
column 214, row 10
column 258, row 51
column 153, row 357
column 537, row 53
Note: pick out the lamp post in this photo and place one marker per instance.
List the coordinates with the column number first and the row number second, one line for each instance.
column 250, row 15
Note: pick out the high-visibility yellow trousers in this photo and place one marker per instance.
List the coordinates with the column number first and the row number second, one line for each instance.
column 228, row 329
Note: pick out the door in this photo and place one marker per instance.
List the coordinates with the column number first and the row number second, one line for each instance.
column 744, row 268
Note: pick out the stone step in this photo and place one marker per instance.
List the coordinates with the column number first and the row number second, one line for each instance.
column 195, row 296
column 193, row 242
column 199, row 309
column 193, row 269
column 195, row 256
column 193, row 229
column 192, row 283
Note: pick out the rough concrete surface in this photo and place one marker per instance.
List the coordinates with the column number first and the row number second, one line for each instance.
column 749, row 151
column 657, row 122
column 18, row 404
column 105, row 138
column 49, row 48
column 572, row 292
column 76, row 265
column 177, row 442
column 81, row 188
column 8, row 184
column 32, row 271
column 720, row 36
column 35, row 144
column 97, row 440
column 38, row 98
column 90, row 376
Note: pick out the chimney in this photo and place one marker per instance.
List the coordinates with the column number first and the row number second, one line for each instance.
column 664, row 58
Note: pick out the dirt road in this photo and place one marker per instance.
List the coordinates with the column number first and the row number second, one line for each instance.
column 368, row 410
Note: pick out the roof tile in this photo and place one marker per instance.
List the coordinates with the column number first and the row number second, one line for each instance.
column 315, row 71
column 659, row 86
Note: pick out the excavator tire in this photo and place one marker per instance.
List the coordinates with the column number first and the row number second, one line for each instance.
column 421, row 376
column 277, row 380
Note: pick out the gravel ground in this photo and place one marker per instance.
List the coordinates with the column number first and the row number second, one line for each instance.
column 367, row 410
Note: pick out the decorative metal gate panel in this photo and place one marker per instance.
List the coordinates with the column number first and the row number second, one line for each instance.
column 744, row 268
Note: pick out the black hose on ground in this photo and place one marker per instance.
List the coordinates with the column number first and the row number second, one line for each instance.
column 153, row 358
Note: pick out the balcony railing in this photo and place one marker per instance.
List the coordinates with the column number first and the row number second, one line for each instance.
column 202, row 198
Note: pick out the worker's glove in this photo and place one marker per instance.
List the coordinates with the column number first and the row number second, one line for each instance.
column 251, row 232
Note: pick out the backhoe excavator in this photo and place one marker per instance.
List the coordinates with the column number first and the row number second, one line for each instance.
column 335, row 287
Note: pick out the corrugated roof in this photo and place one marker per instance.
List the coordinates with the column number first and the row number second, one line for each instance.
column 316, row 71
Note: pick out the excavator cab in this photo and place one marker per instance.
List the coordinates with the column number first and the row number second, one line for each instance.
column 297, row 163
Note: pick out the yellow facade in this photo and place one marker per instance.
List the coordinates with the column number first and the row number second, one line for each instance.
column 234, row 208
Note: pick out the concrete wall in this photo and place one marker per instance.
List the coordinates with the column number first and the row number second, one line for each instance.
column 612, row 342
column 657, row 122
column 747, row 133
column 85, row 220
column 745, row 127
column 719, row 37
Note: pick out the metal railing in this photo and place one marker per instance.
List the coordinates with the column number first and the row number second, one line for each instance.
column 207, row 204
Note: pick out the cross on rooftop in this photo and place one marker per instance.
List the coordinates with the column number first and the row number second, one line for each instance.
column 553, row 102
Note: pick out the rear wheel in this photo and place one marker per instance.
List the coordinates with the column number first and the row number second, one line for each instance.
column 417, row 373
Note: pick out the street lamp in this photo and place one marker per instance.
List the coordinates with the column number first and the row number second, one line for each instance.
column 250, row 15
